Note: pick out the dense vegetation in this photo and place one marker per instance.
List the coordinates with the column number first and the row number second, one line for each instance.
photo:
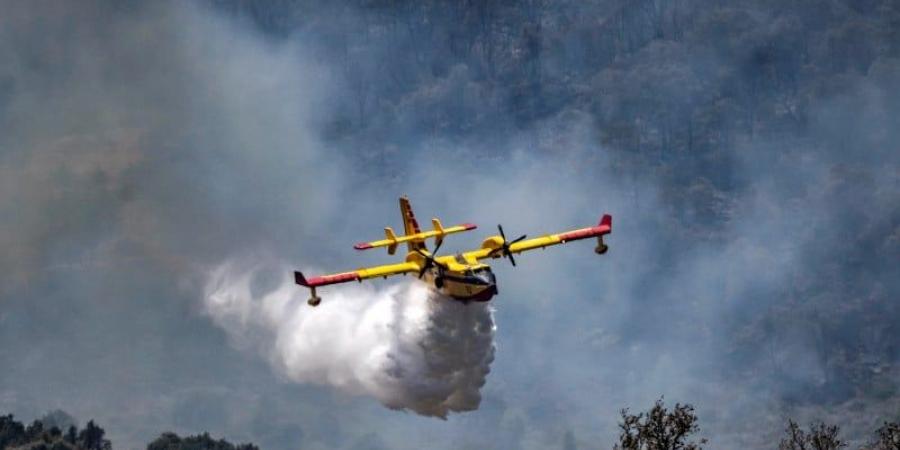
column 45, row 434
column 656, row 429
column 171, row 441
column 667, row 82
column 664, row 429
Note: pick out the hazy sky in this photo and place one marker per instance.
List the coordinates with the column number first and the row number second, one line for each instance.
column 142, row 146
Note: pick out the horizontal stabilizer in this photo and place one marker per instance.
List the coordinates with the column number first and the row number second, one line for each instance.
column 392, row 240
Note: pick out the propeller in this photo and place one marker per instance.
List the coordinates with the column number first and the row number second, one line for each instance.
column 504, row 247
column 429, row 260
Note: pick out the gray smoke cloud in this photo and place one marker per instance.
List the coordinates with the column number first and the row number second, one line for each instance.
column 147, row 149
column 405, row 345
column 141, row 144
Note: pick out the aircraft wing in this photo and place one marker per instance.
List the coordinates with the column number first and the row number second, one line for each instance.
column 357, row 275
column 491, row 248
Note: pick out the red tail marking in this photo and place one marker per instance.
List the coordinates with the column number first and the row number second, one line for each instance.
column 604, row 227
column 606, row 221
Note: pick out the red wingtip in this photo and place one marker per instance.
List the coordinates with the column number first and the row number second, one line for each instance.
column 607, row 221
column 470, row 226
column 300, row 279
column 363, row 246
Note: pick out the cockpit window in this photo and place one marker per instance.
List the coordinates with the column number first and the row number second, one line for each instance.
column 460, row 259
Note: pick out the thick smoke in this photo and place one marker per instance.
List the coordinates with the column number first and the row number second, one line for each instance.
column 405, row 345
column 753, row 270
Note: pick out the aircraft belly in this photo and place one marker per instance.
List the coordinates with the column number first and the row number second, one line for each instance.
column 468, row 292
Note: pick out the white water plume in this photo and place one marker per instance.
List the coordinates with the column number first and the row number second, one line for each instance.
column 405, row 345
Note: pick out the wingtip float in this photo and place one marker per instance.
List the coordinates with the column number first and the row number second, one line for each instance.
column 462, row 276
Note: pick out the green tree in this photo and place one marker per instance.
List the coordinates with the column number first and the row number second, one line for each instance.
column 819, row 437
column 171, row 441
column 12, row 433
column 888, row 437
column 659, row 429
column 91, row 438
column 71, row 434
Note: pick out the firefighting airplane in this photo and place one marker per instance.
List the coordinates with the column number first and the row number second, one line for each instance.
column 461, row 276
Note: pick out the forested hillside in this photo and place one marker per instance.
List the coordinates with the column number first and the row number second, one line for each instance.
column 666, row 82
column 58, row 431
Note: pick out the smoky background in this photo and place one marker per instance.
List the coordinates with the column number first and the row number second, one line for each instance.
column 747, row 151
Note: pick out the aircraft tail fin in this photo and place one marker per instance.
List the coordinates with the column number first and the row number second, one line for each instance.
column 413, row 236
column 410, row 225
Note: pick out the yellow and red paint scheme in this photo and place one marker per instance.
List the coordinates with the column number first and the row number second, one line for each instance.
column 462, row 276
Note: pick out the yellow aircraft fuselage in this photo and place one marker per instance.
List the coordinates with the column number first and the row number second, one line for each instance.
column 461, row 280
